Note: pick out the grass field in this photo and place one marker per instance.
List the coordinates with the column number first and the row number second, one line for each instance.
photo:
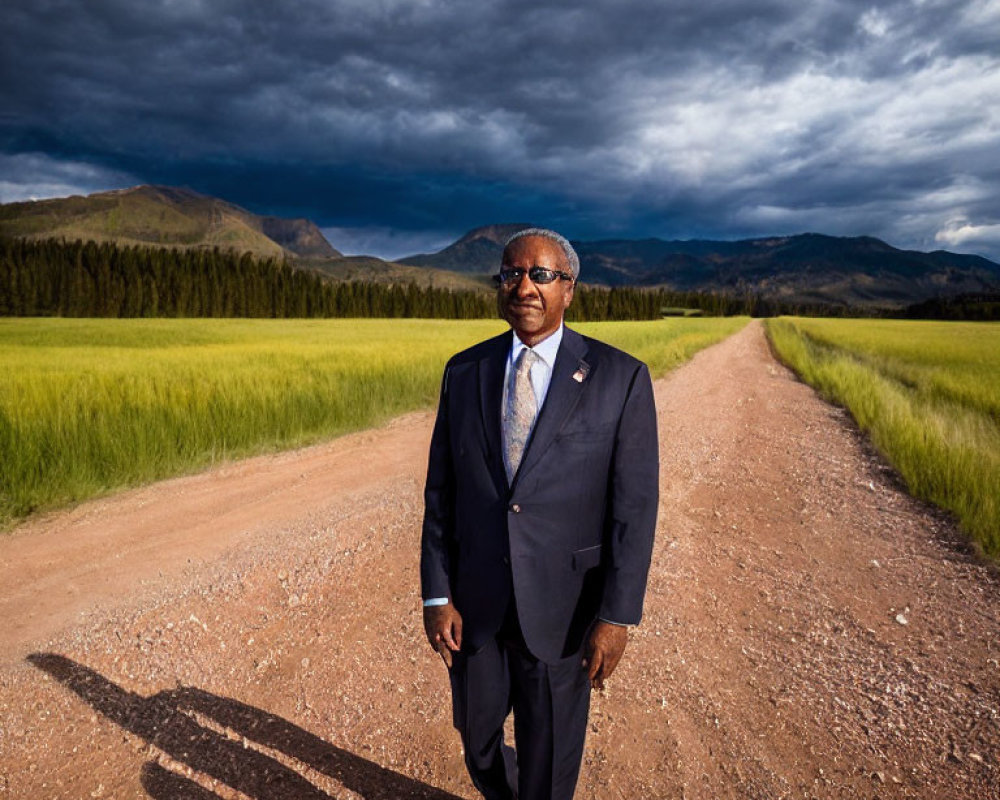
column 91, row 406
column 928, row 393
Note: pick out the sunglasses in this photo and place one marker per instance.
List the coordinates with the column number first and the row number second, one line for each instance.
column 513, row 276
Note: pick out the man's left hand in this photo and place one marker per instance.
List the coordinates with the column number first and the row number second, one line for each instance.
column 604, row 650
column 443, row 626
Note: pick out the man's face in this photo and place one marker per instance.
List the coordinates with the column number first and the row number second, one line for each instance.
column 534, row 311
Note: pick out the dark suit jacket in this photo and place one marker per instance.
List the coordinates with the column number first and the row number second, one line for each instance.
column 571, row 536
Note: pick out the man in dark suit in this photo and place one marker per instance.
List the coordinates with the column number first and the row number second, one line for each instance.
column 540, row 509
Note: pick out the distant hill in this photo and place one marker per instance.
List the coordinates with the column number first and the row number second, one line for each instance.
column 477, row 252
column 808, row 268
column 375, row 270
column 164, row 216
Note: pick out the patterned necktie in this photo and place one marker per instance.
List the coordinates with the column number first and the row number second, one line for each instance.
column 522, row 407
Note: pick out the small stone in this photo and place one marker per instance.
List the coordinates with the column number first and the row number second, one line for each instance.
column 875, row 563
column 902, row 620
column 879, row 776
column 976, row 757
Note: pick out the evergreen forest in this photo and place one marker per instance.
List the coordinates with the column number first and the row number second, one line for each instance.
column 51, row 277
column 54, row 277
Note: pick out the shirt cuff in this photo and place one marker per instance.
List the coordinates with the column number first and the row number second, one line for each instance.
column 435, row 601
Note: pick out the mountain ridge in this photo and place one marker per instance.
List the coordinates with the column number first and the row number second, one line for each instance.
column 479, row 246
column 810, row 269
column 164, row 216
column 800, row 268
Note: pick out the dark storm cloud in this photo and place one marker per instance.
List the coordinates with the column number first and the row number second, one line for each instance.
column 607, row 118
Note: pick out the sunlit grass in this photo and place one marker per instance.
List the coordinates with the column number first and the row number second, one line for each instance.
column 928, row 393
column 91, row 406
column 665, row 343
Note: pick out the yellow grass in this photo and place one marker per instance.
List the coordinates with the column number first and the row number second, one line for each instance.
column 928, row 393
column 90, row 406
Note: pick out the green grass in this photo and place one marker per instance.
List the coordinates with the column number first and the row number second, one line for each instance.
column 666, row 343
column 92, row 406
column 928, row 394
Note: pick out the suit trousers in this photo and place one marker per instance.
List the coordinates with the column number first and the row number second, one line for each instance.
column 550, row 704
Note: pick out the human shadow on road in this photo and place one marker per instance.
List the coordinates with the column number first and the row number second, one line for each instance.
column 169, row 720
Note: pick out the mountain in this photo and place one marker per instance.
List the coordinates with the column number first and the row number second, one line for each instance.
column 807, row 268
column 298, row 236
column 164, row 216
column 375, row 270
column 477, row 252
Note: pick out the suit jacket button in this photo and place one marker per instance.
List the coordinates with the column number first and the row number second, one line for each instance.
column 516, row 508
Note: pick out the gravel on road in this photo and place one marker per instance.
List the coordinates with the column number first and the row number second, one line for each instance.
column 255, row 631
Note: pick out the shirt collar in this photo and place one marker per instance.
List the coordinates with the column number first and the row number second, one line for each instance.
column 547, row 349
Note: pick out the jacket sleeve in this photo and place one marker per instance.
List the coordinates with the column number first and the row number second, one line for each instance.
column 634, row 494
column 439, row 507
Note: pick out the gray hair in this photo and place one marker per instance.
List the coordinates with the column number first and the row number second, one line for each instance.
column 571, row 257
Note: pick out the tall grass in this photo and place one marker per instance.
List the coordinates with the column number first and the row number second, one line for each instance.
column 666, row 343
column 928, row 393
column 90, row 406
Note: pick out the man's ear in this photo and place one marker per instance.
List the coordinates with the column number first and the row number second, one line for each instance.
column 570, row 293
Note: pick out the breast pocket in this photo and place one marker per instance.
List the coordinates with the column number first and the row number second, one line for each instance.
column 587, row 435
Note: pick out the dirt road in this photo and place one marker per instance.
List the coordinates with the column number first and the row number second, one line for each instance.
column 254, row 631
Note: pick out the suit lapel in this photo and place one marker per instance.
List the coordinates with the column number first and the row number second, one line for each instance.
column 491, row 372
column 569, row 378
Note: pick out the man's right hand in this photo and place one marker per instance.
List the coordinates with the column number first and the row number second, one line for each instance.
column 443, row 626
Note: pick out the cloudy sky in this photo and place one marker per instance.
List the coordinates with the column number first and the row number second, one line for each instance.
column 396, row 125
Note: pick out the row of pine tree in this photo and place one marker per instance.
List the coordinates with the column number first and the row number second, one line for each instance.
column 51, row 277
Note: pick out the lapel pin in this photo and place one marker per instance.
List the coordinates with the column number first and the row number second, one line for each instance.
column 581, row 373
